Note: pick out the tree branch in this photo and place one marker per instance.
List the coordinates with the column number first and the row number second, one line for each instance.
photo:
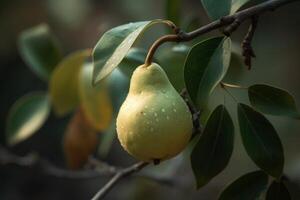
column 231, row 22
column 118, row 176
column 248, row 51
column 35, row 161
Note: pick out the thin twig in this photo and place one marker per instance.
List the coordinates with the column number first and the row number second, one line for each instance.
column 230, row 21
column 248, row 52
column 117, row 177
column 35, row 161
column 197, row 129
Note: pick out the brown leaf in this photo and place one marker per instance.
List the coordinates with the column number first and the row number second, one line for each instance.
column 80, row 141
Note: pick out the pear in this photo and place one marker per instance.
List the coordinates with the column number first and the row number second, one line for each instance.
column 153, row 123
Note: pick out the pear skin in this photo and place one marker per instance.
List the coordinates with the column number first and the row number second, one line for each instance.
column 154, row 123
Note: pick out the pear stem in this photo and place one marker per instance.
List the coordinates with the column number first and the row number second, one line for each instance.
column 230, row 22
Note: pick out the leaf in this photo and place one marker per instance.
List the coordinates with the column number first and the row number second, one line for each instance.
column 217, row 9
column 64, row 82
column 278, row 191
column 172, row 61
column 80, row 141
column 247, row 187
column 26, row 116
column 40, row 50
column 134, row 58
column 261, row 140
column 205, row 67
column 118, row 87
column 236, row 70
column 214, row 148
column 173, row 11
column 237, row 4
column 114, row 45
column 94, row 100
column 271, row 100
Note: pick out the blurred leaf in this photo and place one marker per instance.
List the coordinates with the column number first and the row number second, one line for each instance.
column 95, row 100
column 271, row 100
column 220, row 8
column 261, row 140
column 236, row 70
column 205, row 67
column 236, row 5
column 40, row 50
column 26, row 116
column 217, row 8
column 172, row 61
column 118, row 87
column 191, row 23
column 80, row 141
column 64, row 82
column 278, row 191
column 107, row 139
column 134, row 58
column 173, row 11
column 214, row 148
column 247, row 187
column 114, row 45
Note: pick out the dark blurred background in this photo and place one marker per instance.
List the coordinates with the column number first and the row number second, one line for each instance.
column 79, row 24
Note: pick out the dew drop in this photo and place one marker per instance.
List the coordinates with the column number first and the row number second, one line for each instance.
column 155, row 114
column 168, row 117
column 174, row 110
column 163, row 110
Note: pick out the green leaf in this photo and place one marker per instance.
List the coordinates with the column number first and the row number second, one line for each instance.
column 64, row 82
column 26, row 116
column 247, row 187
column 236, row 5
column 114, row 45
column 173, row 11
column 172, row 61
column 261, row 141
column 40, row 50
column 118, row 87
column 237, row 69
column 134, row 58
column 213, row 150
column 205, row 67
column 217, row 9
column 278, row 191
column 271, row 100
column 95, row 100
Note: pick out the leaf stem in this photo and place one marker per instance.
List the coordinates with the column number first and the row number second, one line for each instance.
column 228, row 85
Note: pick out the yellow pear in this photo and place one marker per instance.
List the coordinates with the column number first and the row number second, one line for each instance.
column 154, row 123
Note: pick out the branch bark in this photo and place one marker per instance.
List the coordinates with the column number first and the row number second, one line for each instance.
column 230, row 22
column 117, row 177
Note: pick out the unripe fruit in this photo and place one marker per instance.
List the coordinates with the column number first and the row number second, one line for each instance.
column 154, row 122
